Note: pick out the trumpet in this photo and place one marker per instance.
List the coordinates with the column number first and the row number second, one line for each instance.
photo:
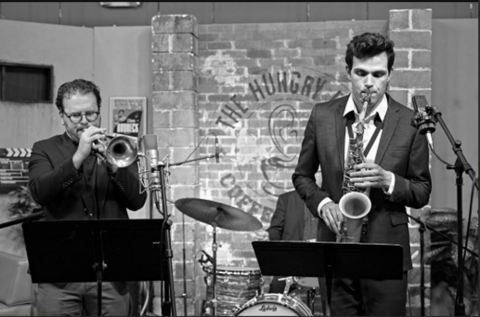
column 354, row 204
column 120, row 150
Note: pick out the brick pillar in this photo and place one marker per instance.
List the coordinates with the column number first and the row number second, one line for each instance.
column 411, row 30
column 175, row 122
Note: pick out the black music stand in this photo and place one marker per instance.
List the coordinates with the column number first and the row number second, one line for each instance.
column 94, row 251
column 329, row 260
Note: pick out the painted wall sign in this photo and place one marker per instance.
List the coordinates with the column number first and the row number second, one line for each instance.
column 264, row 130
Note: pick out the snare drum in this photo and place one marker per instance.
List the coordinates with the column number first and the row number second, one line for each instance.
column 274, row 305
column 306, row 282
column 235, row 285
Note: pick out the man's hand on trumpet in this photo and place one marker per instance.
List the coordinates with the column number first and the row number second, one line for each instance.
column 92, row 139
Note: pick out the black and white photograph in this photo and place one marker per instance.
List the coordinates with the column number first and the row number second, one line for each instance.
column 239, row 158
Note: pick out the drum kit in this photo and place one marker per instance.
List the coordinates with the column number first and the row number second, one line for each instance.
column 237, row 290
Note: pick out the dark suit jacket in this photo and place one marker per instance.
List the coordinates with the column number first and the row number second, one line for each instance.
column 288, row 220
column 402, row 151
column 55, row 184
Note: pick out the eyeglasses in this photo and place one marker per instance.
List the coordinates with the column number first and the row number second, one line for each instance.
column 76, row 117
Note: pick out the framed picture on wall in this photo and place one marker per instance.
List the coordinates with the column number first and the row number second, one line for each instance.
column 127, row 116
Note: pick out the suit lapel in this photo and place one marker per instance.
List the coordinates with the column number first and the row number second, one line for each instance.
column 67, row 149
column 65, row 146
column 100, row 178
column 340, row 124
column 391, row 121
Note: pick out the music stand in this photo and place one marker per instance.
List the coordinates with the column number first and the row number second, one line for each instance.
column 329, row 260
column 94, row 251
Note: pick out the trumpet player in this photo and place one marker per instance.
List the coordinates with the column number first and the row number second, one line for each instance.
column 68, row 178
column 394, row 172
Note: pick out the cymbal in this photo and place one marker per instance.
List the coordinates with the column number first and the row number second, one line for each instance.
column 223, row 216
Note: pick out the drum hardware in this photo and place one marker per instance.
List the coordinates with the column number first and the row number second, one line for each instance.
column 311, row 284
column 288, row 283
column 221, row 216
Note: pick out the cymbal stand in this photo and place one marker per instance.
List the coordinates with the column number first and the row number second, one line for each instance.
column 184, row 266
column 213, row 301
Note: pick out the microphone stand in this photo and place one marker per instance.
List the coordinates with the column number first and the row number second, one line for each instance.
column 184, row 295
column 193, row 160
column 421, row 229
column 461, row 165
column 169, row 302
column 168, row 251
column 33, row 216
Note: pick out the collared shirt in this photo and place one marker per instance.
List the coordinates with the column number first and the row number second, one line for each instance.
column 369, row 124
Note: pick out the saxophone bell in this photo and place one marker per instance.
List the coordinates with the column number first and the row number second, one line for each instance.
column 354, row 206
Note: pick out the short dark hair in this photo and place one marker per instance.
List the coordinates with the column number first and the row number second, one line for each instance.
column 368, row 45
column 77, row 86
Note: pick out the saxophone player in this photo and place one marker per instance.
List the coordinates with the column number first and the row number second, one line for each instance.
column 69, row 180
column 395, row 173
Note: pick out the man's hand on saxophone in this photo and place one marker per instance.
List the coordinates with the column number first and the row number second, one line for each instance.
column 369, row 174
column 332, row 216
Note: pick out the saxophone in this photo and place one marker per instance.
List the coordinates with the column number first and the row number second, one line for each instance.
column 354, row 204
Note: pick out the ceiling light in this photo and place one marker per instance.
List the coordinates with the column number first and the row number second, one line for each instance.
column 120, row 4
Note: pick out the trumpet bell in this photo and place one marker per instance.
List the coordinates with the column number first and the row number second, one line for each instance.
column 121, row 151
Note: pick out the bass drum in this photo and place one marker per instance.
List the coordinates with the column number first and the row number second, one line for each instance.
column 274, row 305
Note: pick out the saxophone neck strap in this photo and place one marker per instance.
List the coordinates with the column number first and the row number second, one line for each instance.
column 379, row 127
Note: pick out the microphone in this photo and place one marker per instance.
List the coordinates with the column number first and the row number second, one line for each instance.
column 217, row 151
column 421, row 120
column 151, row 153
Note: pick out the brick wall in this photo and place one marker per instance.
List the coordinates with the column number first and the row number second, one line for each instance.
column 411, row 30
column 253, row 86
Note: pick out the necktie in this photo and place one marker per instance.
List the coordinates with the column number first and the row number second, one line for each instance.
column 359, row 134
